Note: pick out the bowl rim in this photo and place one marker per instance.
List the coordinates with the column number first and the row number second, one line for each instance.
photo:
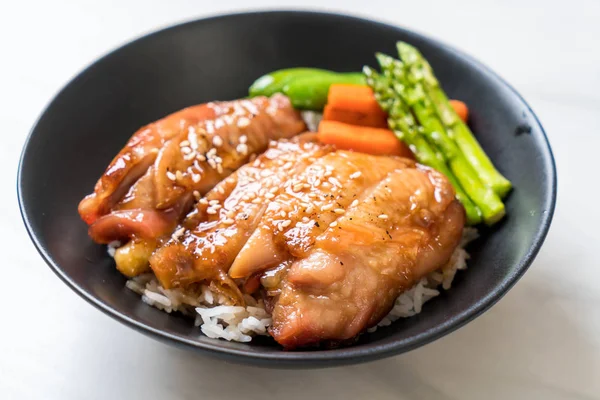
column 322, row 358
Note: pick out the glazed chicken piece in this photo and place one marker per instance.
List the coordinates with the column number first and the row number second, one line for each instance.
column 209, row 239
column 329, row 239
column 403, row 228
column 137, row 156
column 311, row 200
column 192, row 151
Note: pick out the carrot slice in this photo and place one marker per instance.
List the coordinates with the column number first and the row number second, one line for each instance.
column 461, row 109
column 363, row 139
column 357, row 98
column 375, row 120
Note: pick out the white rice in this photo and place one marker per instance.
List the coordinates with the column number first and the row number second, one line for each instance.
column 217, row 319
column 312, row 119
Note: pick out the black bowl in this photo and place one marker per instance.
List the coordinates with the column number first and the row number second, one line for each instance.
column 218, row 58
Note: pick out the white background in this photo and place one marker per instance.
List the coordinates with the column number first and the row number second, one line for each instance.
column 542, row 341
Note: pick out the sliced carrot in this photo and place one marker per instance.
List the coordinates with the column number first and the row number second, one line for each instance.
column 461, row 109
column 375, row 120
column 363, row 139
column 357, row 98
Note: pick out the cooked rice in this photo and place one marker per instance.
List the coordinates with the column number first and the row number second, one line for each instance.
column 312, row 119
column 218, row 319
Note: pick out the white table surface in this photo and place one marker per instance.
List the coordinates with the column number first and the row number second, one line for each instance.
column 541, row 341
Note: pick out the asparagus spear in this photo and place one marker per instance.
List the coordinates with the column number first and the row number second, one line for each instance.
column 412, row 92
column 456, row 128
column 405, row 127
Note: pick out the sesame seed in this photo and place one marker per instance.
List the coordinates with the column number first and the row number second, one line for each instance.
column 211, row 152
column 334, row 181
column 287, row 165
column 257, row 201
column 333, row 224
column 297, row 187
column 245, row 197
column 217, row 141
column 305, row 219
column 354, row 203
column 242, row 148
column 196, row 194
column 230, row 214
column 220, row 168
column 202, row 201
column 196, row 178
column 282, row 214
column 280, row 227
column 178, row 233
column 243, row 122
column 286, row 223
column 189, row 157
column 305, row 185
column 179, row 175
column 339, row 211
column 382, row 216
column 228, row 221
column 213, row 202
column 184, row 143
column 355, row 175
column 269, row 196
column 327, row 207
column 309, row 209
column 317, row 183
column 171, row 175
column 211, row 211
column 193, row 141
column 274, row 189
column 200, row 157
column 186, row 150
column 212, row 163
column 243, row 139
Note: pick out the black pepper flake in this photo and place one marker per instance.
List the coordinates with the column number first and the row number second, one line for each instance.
column 341, row 263
column 317, row 224
column 350, row 218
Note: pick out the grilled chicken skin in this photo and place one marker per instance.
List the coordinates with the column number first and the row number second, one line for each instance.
column 403, row 228
column 191, row 152
column 137, row 156
column 210, row 238
column 330, row 240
